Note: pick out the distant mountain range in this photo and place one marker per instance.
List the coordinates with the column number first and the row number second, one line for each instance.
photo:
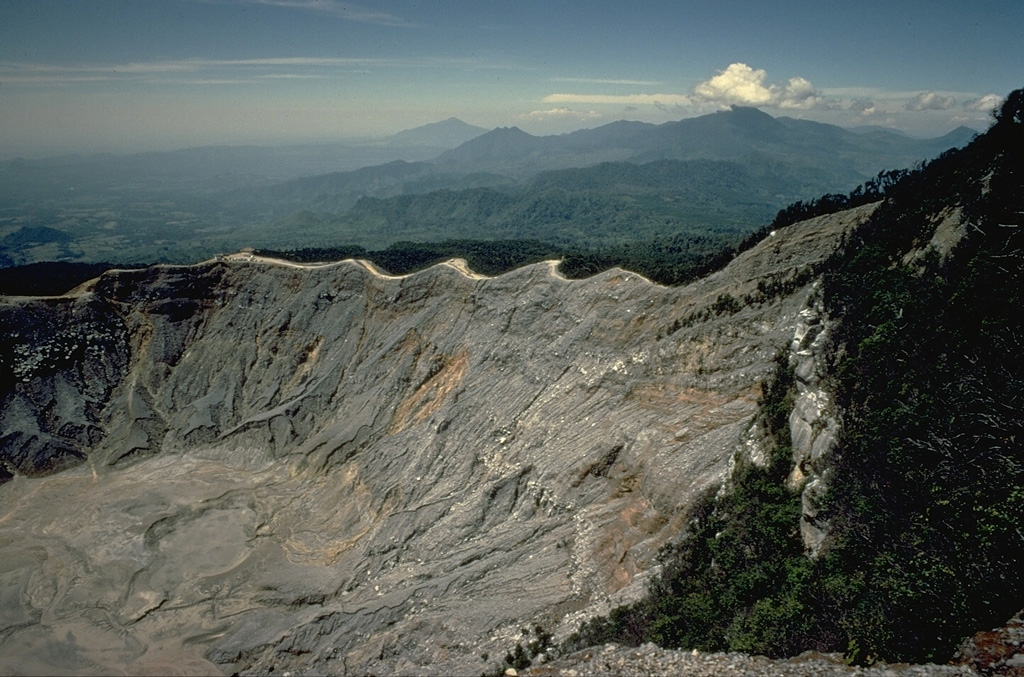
column 729, row 170
column 736, row 134
column 446, row 134
column 815, row 158
column 209, row 168
column 723, row 171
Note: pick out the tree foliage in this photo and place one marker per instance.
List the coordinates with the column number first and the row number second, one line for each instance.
column 927, row 503
column 669, row 261
column 926, row 486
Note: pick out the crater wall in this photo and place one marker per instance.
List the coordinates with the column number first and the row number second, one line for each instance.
column 269, row 466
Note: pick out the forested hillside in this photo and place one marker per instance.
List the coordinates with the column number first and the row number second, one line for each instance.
column 668, row 261
column 716, row 175
column 590, row 208
column 925, row 496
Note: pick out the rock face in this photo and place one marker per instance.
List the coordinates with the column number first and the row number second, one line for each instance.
column 813, row 424
column 267, row 467
column 996, row 652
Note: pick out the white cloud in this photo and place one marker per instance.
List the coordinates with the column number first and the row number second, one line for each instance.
column 984, row 104
column 624, row 99
column 285, row 62
column 737, row 84
column 561, row 112
column 290, row 76
column 9, row 68
column 207, row 81
column 931, row 101
column 800, row 93
column 742, row 85
column 602, row 81
column 863, row 107
column 335, row 8
column 209, row 69
column 51, row 79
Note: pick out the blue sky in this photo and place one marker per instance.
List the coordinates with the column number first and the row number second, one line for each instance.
column 128, row 75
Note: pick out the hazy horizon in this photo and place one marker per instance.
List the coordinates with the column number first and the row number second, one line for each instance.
column 365, row 141
column 87, row 76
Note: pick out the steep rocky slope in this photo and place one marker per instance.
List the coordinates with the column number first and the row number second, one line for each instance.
column 266, row 467
column 892, row 435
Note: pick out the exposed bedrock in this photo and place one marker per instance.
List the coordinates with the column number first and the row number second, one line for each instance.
column 266, row 466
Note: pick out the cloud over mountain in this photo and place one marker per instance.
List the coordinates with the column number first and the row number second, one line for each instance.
column 628, row 99
column 983, row 104
column 560, row 112
column 931, row 101
column 863, row 107
column 740, row 84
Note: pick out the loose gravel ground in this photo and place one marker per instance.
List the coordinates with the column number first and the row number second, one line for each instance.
column 651, row 660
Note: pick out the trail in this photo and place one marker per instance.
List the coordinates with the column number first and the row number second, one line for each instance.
column 458, row 264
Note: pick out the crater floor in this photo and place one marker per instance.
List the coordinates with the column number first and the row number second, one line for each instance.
column 320, row 468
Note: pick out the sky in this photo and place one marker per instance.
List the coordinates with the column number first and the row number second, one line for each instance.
column 134, row 75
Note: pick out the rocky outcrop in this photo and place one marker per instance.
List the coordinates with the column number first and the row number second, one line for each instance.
column 813, row 424
column 814, row 421
column 268, row 467
column 996, row 652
